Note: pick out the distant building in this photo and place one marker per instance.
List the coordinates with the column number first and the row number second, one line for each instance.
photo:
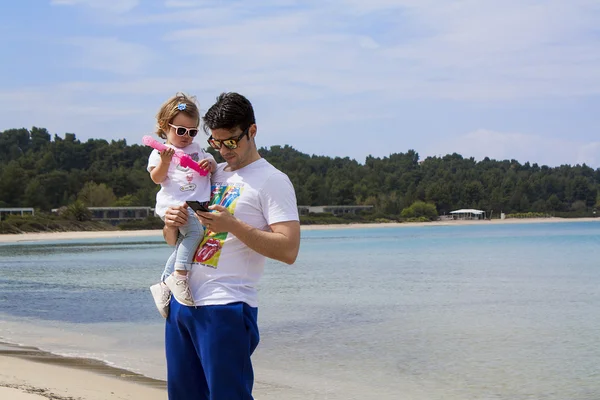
column 114, row 215
column 119, row 214
column 303, row 210
column 335, row 210
column 5, row 212
column 468, row 214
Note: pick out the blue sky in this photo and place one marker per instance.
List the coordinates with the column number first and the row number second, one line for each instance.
column 505, row 79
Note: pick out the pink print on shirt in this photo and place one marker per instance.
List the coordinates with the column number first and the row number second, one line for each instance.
column 209, row 250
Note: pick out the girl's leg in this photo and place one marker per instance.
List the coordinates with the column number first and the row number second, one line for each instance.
column 170, row 265
column 160, row 292
column 191, row 235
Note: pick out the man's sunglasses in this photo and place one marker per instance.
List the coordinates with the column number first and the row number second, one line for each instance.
column 182, row 130
column 231, row 143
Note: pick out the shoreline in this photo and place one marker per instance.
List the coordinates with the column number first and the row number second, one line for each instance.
column 29, row 373
column 50, row 236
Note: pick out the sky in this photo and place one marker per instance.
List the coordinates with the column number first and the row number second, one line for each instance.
column 512, row 79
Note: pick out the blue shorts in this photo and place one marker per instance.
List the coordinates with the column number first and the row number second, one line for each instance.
column 208, row 351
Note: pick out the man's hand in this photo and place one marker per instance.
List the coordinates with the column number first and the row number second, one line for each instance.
column 219, row 221
column 281, row 243
column 174, row 218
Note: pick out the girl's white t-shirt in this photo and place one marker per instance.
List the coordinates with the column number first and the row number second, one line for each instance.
column 181, row 183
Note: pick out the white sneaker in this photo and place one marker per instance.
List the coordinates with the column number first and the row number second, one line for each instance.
column 180, row 289
column 162, row 298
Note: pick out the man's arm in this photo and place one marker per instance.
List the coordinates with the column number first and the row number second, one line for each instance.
column 281, row 244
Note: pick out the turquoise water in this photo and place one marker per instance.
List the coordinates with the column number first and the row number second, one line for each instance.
column 434, row 312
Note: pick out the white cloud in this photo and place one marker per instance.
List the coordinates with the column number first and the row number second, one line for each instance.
column 458, row 50
column 474, row 51
column 340, row 67
column 184, row 3
column 491, row 50
column 116, row 6
column 519, row 146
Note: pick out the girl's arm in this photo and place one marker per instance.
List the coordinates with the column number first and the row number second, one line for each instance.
column 159, row 173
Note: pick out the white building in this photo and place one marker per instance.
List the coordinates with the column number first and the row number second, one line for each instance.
column 468, row 213
column 22, row 211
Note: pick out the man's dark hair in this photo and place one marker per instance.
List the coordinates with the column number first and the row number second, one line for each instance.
column 230, row 111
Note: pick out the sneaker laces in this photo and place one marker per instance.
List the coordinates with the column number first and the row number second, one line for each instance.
column 188, row 293
column 165, row 295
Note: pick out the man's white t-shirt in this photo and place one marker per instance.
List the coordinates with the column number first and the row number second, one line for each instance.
column 227, row 270
column 181, row 183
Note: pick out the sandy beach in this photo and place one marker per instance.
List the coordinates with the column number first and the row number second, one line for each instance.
column 49, row 236
column 27, row 373
column 30, row 374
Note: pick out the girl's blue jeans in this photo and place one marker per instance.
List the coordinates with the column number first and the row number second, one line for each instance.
column 190, row 236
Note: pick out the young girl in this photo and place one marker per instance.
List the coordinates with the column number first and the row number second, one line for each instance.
column 177, row 122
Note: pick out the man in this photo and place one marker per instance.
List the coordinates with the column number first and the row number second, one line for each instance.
column 254, row 216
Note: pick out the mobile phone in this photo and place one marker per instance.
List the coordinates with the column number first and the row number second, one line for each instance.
column 198, row 206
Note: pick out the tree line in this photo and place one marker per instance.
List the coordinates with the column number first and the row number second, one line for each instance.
column 45, row 172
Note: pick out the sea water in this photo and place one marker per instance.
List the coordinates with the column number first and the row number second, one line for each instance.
column 484, row 311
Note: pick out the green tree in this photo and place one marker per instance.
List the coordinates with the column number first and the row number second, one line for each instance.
column 524, row 205
column 539, row 206
column 13, row 144
column 12, row 184
column 56, row 189
column 46, row 163
column 94, row 195
column 578, row 206
column 77, row 211
column 553, row 203
column 40, row 138
column 34, row 166
column 474, row 192
column 420, row 209
column 34, row 195
column 128, row 200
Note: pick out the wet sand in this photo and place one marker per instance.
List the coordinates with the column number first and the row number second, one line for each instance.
column 27, row 373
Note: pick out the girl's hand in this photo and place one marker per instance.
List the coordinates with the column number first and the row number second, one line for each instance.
column 167, row 155
column 205, row 164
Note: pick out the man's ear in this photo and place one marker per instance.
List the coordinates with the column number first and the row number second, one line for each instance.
column 252, row 130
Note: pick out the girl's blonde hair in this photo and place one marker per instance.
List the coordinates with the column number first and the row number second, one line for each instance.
column 169, row 110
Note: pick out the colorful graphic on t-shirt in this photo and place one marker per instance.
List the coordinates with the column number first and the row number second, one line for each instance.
column 209, row 251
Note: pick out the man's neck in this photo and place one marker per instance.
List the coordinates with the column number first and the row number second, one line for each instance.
column 253, row 158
